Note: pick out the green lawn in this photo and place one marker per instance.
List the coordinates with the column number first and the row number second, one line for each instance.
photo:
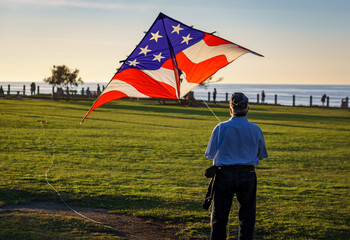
column 144, row 159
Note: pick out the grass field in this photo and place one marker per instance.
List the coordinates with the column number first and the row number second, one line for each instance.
column 144, row 159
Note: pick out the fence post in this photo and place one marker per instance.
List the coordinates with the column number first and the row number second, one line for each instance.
column 327, row 101
column 226, row 97
column 8, row 89
column 208, row 96
column 344, row 103
column 310, row 101
column 293, row 100
column 38, row 90
column 257, row 98
column 275, row 99
column 24, row 90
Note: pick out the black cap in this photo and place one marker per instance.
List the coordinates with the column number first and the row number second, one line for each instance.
column 239, row 102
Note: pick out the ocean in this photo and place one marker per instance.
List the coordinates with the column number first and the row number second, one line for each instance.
column 284, row 92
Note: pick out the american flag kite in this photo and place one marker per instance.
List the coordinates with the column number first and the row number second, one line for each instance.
column 169, row 62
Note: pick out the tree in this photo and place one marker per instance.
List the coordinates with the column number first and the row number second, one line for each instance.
column 64, row 77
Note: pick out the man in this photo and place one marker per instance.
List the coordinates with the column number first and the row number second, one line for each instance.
column 236, row 146
column 323, row 99
column 32, row 88
column 263, row 96
column 214, row 96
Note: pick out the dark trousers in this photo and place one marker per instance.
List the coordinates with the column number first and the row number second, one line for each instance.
column 239, row 180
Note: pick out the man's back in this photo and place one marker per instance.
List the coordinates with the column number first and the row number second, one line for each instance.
column 236, row 141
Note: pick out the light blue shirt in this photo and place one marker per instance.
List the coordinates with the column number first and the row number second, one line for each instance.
column 236, row 141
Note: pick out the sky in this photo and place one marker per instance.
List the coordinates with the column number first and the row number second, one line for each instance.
column 303, row 41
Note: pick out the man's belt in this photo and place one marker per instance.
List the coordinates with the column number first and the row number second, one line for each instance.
column 238, row 167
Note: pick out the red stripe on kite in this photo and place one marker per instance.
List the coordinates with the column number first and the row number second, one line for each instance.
column 145, row 84
column 197, row 73
column 105, row 98
column 211, row 40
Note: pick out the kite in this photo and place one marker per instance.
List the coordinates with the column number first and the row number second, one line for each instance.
column 170, row 61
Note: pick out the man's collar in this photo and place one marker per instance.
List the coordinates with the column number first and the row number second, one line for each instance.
column 238, row 117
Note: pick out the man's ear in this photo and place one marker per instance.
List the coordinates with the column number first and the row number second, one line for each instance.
column 231, row 111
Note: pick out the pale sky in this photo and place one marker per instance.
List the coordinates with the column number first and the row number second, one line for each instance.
column 303, row 41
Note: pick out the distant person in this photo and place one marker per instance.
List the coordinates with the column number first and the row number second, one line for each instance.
column 214, row 96
column 2, row 92
column 82, row 92
column 323, row 99
column 88, row 93
column 235, row 146
column 263, row 96
column 98, row 89
column 32, row 88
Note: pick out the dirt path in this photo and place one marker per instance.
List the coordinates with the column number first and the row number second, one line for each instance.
column 127, row 227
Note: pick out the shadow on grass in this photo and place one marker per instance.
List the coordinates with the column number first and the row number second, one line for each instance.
column 140, row 106
column 143, row 206
column 150, row 208
column 300, row 126
column 164, row 111
column 78, row 120
column 18, row 225
column 295, row 117
column 153, row 108
column 16, row 196
column 120, row 204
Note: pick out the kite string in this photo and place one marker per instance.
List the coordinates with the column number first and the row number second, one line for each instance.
column 210, row 110
column 52, row 162
column 47, row 181
column 228, row 228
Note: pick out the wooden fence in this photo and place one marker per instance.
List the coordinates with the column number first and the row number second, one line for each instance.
column 344, row 103
column 60, row 92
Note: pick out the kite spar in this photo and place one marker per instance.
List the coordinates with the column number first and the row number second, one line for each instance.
column 170, row 61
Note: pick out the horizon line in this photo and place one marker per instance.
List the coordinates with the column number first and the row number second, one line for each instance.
column 218, row 83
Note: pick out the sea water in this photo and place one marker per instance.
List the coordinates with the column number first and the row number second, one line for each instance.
column 284, row 92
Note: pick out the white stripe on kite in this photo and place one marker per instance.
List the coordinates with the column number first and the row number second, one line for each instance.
column 200, row 52
column 186, row 87
column 163, row 75
column 121, row 86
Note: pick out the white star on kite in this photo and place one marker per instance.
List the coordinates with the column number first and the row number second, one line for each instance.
column 177, row 29
column 158, row 57
column 133, row 63
column 155, row 36
column 186, row 39
column 145, row 50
